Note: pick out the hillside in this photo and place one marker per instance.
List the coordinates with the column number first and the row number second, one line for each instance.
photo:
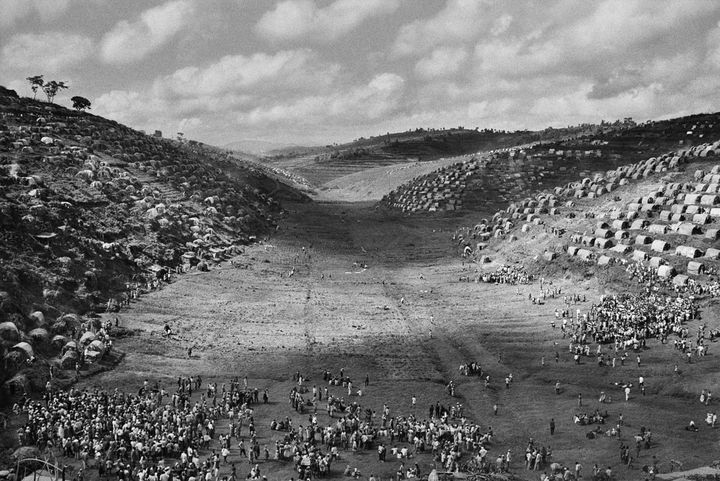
column 488, row 181
column 348, row 171
column 93, row 213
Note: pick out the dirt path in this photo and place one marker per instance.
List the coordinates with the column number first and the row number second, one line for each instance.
column 345, row 286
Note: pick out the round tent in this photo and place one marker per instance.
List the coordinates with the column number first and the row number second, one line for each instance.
column 9, row 332
column 58, row 341
column 38, row 317
column 25, row 348
column 69, row 359
column 96, row 345
column 39, row 335
column 87, row 338
column 18, row 384
column 69, row 346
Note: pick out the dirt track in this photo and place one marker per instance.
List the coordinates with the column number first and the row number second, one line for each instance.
column 407, row 323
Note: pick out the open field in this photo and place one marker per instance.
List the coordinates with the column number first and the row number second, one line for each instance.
column 407, row 323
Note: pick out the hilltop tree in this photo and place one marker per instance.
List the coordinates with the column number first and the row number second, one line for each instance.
column 51, row 89
column 80, row 103
column 35, row 82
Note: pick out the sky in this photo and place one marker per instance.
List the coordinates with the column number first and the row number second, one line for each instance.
column 317, row 72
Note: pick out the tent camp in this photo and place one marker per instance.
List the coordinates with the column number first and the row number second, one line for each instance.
column 24, row 348
column 695, row 268
column 639, row 256
column 666, row 271
column 701, row 219
column 638, row 224
column 622, row 234
column 586, row 255
column 687, row 228
column 621, row 249
column 657, row 262
column 643, row 239
column 604, row 243
column 659, row 246
column 39, row 336
column 9, row 332
column 712, row 234
column 606, row 261
column 69, row 359
column 603, row 233
column 87, row 338
column 657, row 229
column 688, row 251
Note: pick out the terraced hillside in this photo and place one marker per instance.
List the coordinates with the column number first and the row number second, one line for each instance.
column 93, row 213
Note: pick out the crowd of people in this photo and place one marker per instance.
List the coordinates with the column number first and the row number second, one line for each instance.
column 506, row 274
column 132, row 436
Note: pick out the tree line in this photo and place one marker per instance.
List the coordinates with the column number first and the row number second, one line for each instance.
column 51, row 89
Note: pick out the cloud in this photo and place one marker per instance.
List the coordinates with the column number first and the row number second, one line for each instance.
column 459, row 21
column 294, row 19
column 378, row 98
column 51, row 51
column 442, row 62
column 14, row 10
column 128, row 42
column 291, row 69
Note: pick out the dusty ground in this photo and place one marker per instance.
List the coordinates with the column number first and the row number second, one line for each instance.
column 408, row 323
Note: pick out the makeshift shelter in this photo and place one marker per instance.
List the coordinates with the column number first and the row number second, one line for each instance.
column 69, row 359
column 587, row 240
column 24, row 348
column 69, row 346
column 622, row 234
column 37, row 317
column 680, row 280
column 17, row 385
column 572, row 250
column 701, row 219
column 666, row 271
column 712, row 253
column 9, row 332
column 710, row 199
column 58, row 341
column 549, row 256
column 688, row 251
column 620, row 224
column 659, row 246
column 695, row 268
column 87, row 338
column 688, row 229
column 657, row 229
column 621, row 249
column 638, row 224
column 691, row 199
column 605, row 260
column 586, row 255
column 639, row 256
column 603, row 233
column 665, row 215
column 657, row 262
column 39, row 335
column 712, row 234
column 604, row 243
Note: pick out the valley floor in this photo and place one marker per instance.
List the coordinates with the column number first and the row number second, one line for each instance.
column 348, row 286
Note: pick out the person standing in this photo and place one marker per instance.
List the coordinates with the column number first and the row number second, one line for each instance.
column 552, row 426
